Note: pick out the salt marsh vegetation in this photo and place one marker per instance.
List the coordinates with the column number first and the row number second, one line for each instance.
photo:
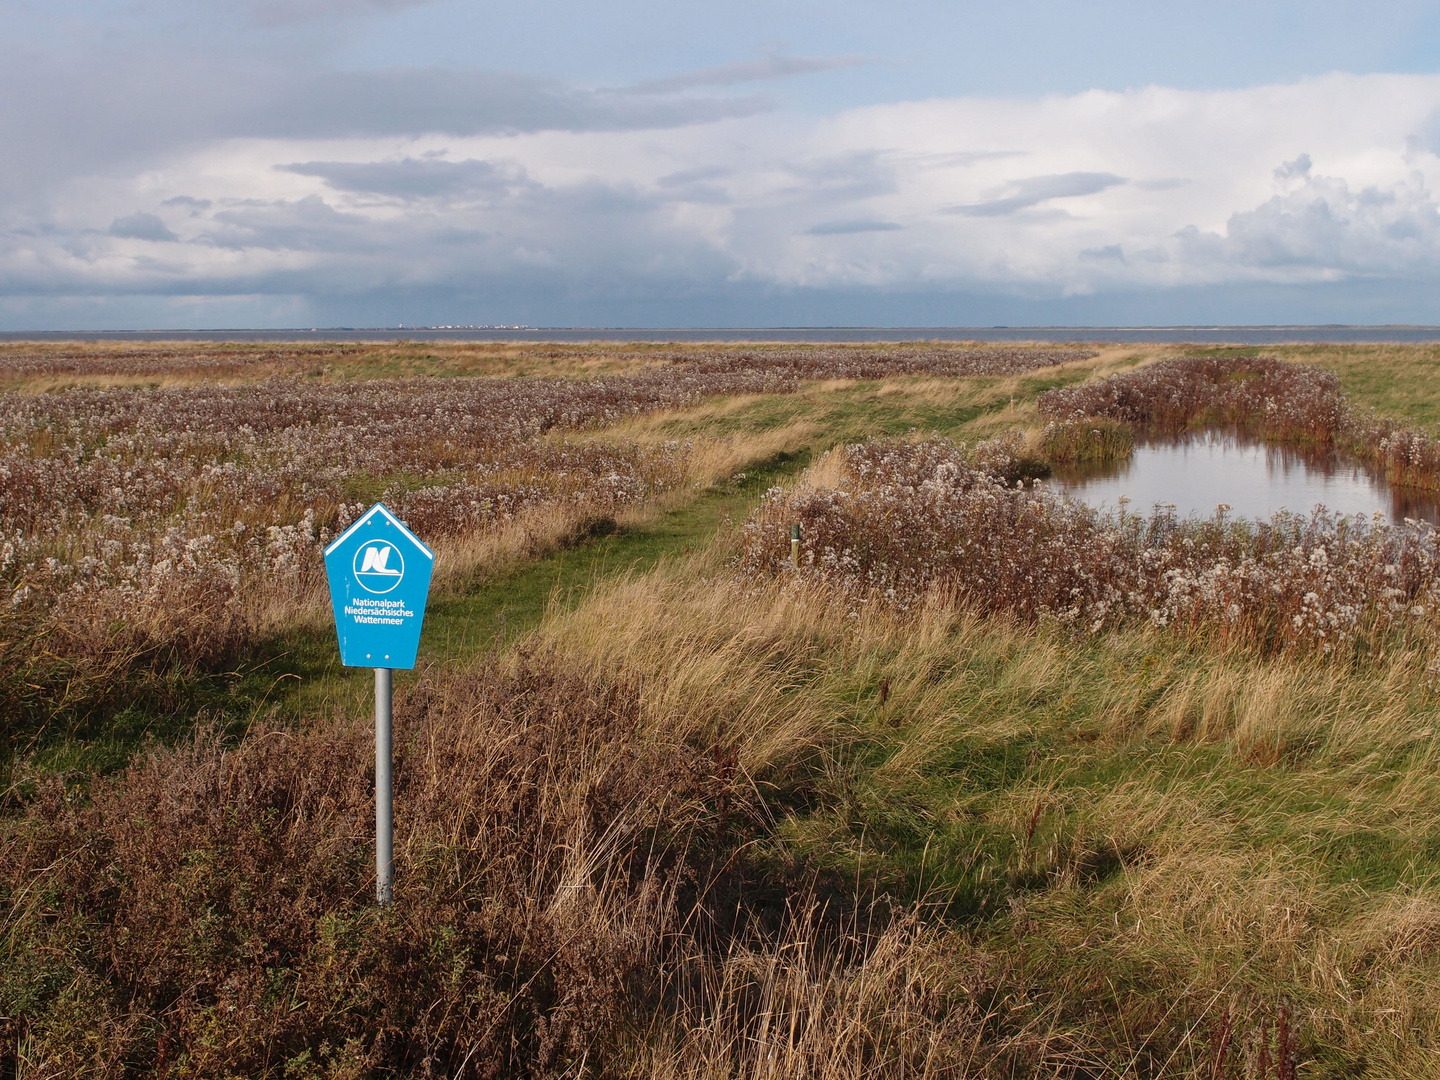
column 993, row 786
column 909, row 520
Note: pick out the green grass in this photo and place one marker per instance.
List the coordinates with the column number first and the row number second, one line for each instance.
column 1022, row 788
column 845, row 415
column 1028, row 778
column 493, row 613
column 989, row 731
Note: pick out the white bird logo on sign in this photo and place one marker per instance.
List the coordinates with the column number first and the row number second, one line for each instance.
column 375, row 560
column 379, row 566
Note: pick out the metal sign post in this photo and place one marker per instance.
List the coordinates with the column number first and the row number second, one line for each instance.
column 379, row 575
column 384, row 812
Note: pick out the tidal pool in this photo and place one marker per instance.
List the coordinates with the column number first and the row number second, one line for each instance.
column 1198, row 472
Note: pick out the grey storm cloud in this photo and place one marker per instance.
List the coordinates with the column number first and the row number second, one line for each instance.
column 416, row 178
column 189, row 202
column 530, row 242
column 697, row 186
column 141, row 227
column 1427, row 138
column 771, row 66
column 589, row 232
column 1294, row 170
column 103, row 113
column 1108, row 253
column 308, row 224
column 411, row 101
column 844, row 228
column 688, row 177
column 856, row 175
column 1034, row 190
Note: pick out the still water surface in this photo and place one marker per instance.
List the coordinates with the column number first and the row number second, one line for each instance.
column 1199, row 472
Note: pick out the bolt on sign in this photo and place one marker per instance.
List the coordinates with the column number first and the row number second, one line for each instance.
column 379, row 575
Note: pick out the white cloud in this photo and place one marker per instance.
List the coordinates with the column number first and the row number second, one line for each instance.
column 1324, row 180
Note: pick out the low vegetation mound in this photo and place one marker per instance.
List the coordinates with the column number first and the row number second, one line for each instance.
column 1086, row 439
column 907, row 520
column 1273, row 398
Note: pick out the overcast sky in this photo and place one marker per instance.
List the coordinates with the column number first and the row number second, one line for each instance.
column 376, row 162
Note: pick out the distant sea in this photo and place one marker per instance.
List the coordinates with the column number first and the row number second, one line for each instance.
column 1200, row 335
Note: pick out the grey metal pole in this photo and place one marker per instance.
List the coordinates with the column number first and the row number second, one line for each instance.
column 384, row 812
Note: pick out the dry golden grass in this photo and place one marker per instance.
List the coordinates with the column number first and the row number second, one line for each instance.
column 1208, row 878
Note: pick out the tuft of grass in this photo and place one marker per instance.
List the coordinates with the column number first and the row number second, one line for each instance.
column 1136, row 843
column 1087, row 439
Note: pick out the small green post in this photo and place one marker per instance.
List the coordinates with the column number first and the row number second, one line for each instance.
column 795, row 546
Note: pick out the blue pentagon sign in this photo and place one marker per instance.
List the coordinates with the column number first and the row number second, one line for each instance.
column 379, row 575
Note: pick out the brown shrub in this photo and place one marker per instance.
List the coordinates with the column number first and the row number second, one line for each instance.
column 1407, row 456
column 1270, row 397
column 210, row 912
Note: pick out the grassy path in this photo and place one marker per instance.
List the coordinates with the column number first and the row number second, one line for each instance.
column 496, row 612
column 304, row 675
column 299, row 674
column 296, row 675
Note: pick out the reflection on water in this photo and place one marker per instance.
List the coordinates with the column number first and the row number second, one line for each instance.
column 1199, row 472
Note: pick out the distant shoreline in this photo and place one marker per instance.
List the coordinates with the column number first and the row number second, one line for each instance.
column 1200, row 335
